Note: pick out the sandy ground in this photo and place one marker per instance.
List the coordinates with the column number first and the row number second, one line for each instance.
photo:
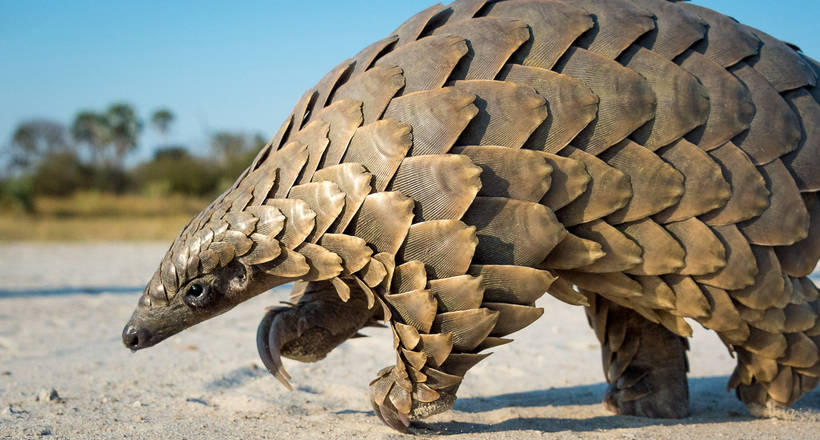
column 62, row 308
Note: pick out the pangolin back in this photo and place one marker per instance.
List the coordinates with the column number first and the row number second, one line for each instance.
column 658, row 154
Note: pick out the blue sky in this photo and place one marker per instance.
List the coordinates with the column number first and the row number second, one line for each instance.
column 222, row 66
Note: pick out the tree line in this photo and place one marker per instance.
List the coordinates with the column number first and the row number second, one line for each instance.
column 47, row 158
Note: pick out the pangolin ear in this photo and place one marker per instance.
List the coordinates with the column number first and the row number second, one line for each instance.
column 238, row 278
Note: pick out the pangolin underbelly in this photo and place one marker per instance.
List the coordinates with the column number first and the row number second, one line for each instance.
column 650, row 160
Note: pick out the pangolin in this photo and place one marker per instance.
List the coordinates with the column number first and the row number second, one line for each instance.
column 649, row 160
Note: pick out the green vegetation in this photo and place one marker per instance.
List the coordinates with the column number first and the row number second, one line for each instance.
column 70, row 183
column 93, row 216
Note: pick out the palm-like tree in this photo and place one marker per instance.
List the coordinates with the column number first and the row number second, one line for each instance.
column 92, row 129
column 35, row 139
column 161, row 120
column 124, row 127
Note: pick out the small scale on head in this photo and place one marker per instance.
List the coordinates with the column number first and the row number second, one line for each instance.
column 216, row 262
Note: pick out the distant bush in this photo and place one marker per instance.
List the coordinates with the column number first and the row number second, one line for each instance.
column 111, row 179
column 16, row 193
column 46, row 160
column 233, row 166
column 234, row 151
column 174, row 171
column 61, row 174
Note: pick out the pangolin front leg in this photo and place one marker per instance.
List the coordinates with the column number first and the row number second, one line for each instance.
column 307, row 331
column 645, row 364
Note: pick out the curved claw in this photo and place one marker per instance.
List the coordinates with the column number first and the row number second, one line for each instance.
column 269, row 342
column 382, row 406
column 390, row 416
column 275, row 343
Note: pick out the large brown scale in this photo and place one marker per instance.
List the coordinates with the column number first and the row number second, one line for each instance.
column 649, row 160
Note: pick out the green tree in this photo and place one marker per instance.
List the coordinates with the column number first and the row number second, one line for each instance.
column 34, row 139
column 16, row 192
column 226, row 145
column 92, row 130
column 124, row 127
column 110, row 135
column 234, row 151
column 174, row 171
column 161, row 120
column 61, row 174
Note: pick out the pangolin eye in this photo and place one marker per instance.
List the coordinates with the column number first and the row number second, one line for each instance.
column 196, row 295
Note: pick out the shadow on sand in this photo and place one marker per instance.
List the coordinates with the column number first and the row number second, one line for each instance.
column 709, row 403
column 62, row 291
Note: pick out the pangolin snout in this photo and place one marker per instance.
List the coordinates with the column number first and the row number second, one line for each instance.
column 135, row 338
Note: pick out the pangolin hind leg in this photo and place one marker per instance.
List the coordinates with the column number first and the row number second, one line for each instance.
column 644, row 363
column 308, row 330
column 779, row 360
column 778, row 389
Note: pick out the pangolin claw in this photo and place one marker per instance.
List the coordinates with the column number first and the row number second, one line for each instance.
column 382, row 405
column 269, row 340
column 391, row 416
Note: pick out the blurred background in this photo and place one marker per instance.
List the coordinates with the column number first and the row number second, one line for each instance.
column 118, row 121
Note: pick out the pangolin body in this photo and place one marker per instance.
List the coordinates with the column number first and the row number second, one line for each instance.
column 650, row 160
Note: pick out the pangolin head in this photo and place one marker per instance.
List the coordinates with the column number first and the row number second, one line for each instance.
column 216, row 262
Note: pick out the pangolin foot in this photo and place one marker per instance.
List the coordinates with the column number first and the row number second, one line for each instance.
column 422, row 410
column 395, row 419
column 641, row 393
column 386, row 411
column 396, row 406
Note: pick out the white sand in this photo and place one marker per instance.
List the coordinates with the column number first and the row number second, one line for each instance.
column 62, row 309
